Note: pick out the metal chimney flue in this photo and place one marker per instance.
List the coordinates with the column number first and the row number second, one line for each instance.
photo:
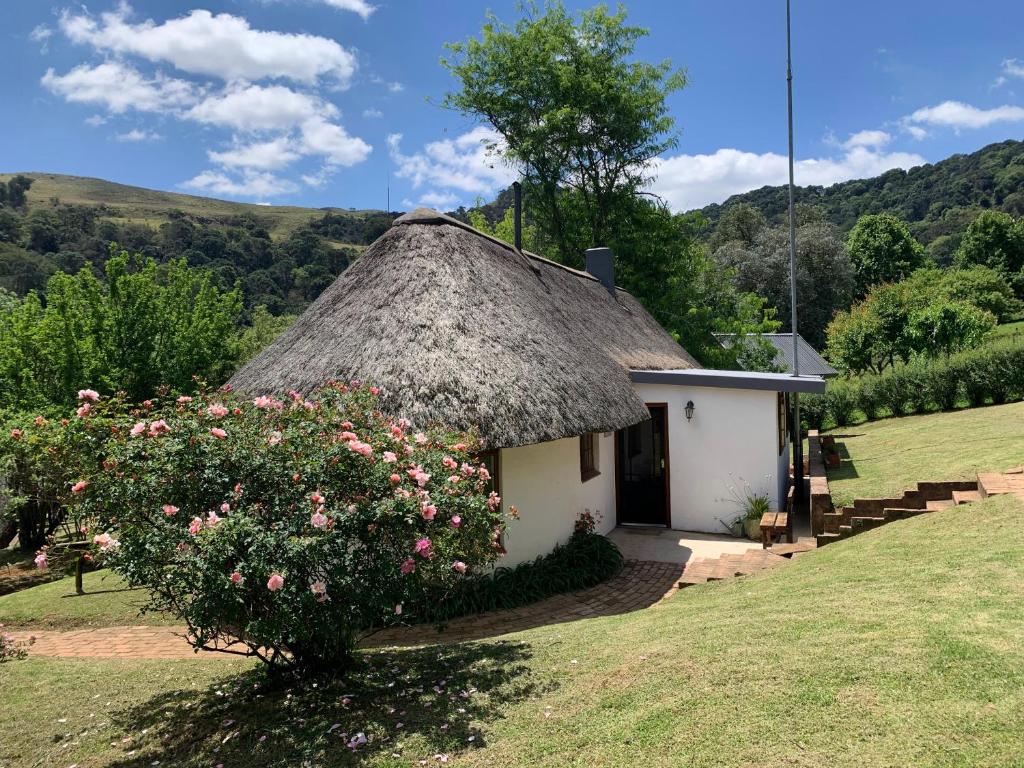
column 600, row 263
column 517, row 195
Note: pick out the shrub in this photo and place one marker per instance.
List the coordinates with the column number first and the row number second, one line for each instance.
column 813, row 410
column 868, row 396
column 285, row 530
column 585, row 560
column 840, row 404
column 941, row 386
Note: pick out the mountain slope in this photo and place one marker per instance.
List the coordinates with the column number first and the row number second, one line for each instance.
column 139, row 205
column 938, row 200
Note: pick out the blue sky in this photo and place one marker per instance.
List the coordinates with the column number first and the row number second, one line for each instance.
column 323, row 102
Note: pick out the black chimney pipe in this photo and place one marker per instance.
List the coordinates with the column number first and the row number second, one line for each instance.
column 517, row 194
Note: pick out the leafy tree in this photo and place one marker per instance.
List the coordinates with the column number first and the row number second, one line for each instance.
column 882, row 250
column 504, row 229
column 995, row 240
column 981, row 286
column 740, row 224
column 575, row 113
column 824, row 274
column 262, row 330
column 948, row 327
column 147, row 325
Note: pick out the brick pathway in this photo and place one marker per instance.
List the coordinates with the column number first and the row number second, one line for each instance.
column 640, row 585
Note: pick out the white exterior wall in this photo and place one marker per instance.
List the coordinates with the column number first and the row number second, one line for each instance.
column 733, row 435
column 543, row 482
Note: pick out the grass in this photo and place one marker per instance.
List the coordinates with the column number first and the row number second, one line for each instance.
column 882, row 458
column 107, row 602
column 901, row 646
column 151, row 207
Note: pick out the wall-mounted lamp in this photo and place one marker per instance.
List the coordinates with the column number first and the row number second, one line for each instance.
column 689, row 410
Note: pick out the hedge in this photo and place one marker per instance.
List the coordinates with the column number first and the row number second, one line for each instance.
column 993, row 373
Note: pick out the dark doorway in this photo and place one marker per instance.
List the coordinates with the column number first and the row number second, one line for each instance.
column 641, row 470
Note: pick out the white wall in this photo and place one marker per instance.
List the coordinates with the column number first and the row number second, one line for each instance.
column 543, row 482
column 732, row 437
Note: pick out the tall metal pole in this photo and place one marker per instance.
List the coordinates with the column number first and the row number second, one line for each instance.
column 798, row 445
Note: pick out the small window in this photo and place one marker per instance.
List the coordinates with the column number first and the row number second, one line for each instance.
column 783, row 417
column 490, row 460
column 588, row 457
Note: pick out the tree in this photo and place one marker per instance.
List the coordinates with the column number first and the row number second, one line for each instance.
column 983, row 287
column 573, row 112
column 995, row 240
column 824, row 274
column 741, row 224
column 948, row 327
column 147, row 325
column 504, row 229
column 882, row 250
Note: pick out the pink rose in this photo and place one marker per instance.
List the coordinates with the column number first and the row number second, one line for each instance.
column 493, row 501
column 428, row 511
column 184, row 400
column 83, row 410
column 89, row 394
column 317, row 498
column 395, row 479
column 217, row 410
column 456, row 521
column 80, row 486
column 467, row 470
column 16, row 434
column 195, row 525
column 219, row 433
column 390, row 457
column 39, row 421
column 374, row 391
column 41, row 562
column 170, row 510
column 275, row 438
column 408, row 566
column 454, row 479
column 483, row 473
column 459, row 566
column 449, row 462
column 237, row 578
column 422, row 548
column 138, row 429
column 225, row 507
column 363, row 449
column 318, row 520
column 275, row 582
column 420, row 438
column 212, row 518
column 158, row 427
column 319, row 589
column 398, row 609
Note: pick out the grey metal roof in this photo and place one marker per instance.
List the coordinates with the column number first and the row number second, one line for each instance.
column 704, row 377
column 811, row 363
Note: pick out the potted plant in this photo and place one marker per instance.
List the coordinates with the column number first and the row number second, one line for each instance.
column 757, row 505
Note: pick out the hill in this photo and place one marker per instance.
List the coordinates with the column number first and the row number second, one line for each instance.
column 283, row 255
column 151, row 207
column 938, row 200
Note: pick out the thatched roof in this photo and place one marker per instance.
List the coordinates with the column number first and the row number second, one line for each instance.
column 461, row 329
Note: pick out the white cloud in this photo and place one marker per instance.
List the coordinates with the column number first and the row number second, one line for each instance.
column 692, row 181
column 95, row 120
column 462, row 163
column 320, row 137
column 41, row 34
column 249, row 185
column 957, row 115
column 119, row 88
column 372, row 113
column 869, row 139
column 220, row 45
column 361, row 7
column 136, row 135
column 259, row 156
column 259, row 108
column 396, row 87
column 916, row 132
column 1013, row 68
column 439, row 200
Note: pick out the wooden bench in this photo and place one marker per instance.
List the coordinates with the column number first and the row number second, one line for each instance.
column 774, row 524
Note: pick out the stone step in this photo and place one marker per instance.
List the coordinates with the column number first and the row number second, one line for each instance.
column 788, row 550
column 943, row 489
column 892, row 514
column 937, row 504
column 859, row 524
column 827, row 538
column 966, row 497
column 996, row 483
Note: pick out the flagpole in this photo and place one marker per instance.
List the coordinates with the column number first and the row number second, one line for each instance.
column 798, row 446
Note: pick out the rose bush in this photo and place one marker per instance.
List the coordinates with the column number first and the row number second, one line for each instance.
column 285, row 528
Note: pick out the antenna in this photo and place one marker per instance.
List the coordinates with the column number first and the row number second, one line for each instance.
column 798, row 441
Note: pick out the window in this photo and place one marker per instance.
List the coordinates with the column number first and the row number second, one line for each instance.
column 588, row 457
column 783, row 418
column 490, row 460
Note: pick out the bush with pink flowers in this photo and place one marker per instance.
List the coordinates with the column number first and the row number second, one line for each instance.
column 286, row 528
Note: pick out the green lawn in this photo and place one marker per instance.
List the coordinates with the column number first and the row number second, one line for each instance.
column 106, row 602
column 882, row 458
column 902, row 646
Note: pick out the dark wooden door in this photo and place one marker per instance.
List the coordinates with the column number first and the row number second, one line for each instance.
column 642, row 470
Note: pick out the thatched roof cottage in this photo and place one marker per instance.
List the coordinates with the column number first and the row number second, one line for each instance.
column 572, row 385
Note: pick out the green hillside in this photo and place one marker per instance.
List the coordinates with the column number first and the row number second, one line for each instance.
column 938, row 200
column 152, row 207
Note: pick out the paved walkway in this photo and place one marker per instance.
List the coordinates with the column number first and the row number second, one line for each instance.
column 639, row 585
